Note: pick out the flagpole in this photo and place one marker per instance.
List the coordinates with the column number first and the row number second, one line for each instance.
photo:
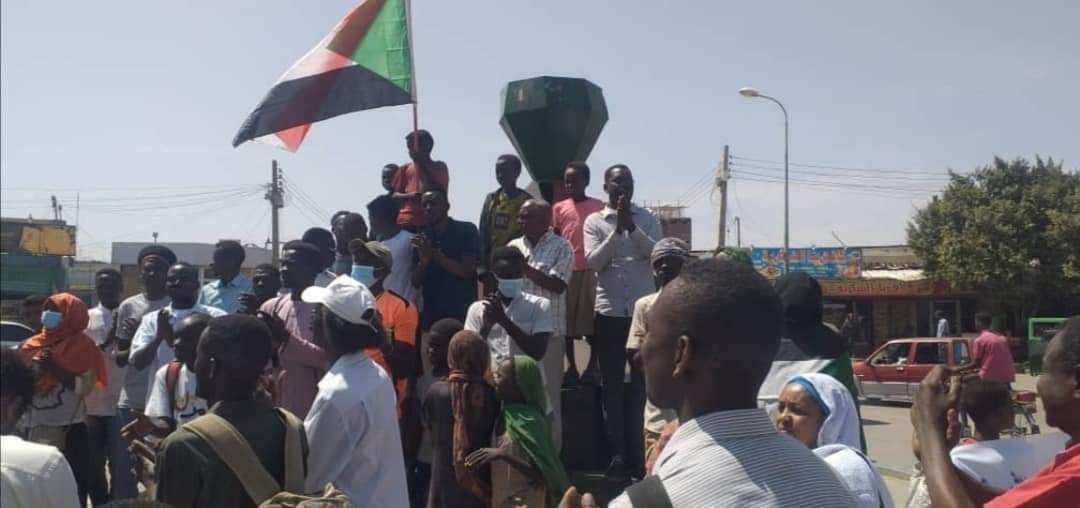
column 412, row 64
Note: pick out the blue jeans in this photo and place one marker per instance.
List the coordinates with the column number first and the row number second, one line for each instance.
column 121, row 461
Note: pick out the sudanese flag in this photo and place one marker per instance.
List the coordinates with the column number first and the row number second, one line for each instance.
column 365, row 62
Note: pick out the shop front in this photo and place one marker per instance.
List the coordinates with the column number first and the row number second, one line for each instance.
column 889, row 304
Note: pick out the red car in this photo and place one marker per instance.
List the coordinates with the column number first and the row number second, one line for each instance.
column 894, row 370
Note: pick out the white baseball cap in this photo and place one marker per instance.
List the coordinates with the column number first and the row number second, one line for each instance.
column 346, row 298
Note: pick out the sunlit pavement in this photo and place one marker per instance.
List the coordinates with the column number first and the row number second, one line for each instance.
column 888, row 434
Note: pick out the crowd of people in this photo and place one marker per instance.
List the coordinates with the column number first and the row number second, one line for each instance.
column 420, row 362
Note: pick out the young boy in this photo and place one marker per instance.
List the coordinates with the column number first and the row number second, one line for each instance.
column 498, row 218
column 181, row 404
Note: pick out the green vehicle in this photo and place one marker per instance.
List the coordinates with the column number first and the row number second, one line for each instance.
column 1040, row 331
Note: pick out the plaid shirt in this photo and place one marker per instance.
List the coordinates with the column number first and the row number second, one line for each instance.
column 553, row 256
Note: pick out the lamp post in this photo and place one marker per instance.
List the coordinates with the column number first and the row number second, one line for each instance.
column 751, row 93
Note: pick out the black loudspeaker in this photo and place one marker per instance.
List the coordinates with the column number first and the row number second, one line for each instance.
column 583, row 446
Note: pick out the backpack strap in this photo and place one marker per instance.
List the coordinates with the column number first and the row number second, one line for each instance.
column 172, row 378
column 236, row 452
column 650, row 493
column 294, row 452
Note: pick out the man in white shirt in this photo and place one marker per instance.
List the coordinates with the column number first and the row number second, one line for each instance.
column 352, row 427
column 173, row 397
column 618, row 242
column 512, row 321
column 31, row 475
column 383, row 212
column 101, row 421
column 942, row 324
column 549, row 259
column 152, row 346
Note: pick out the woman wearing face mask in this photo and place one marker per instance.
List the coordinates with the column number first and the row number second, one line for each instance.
column 69, row 365
column 819, row 411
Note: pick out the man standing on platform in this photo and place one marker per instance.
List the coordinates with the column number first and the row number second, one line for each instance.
column 417, row 177
column 498, row 216
column 568, row 221
column 618, row 244
column 383, row 212
column 548, row 258
column 447, row 254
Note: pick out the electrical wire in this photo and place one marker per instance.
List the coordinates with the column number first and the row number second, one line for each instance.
column 839, row 168
column 296, row 189
column 827, row 174
column 826, row 188
column 840, row 185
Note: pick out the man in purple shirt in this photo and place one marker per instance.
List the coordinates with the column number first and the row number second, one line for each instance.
column 991, row 352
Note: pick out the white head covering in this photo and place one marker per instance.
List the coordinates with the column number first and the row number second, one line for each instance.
column 841, row 426
column 838, row 441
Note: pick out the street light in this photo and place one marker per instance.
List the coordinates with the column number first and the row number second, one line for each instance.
column 751, row 93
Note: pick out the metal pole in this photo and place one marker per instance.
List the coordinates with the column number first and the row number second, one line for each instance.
column 738, row 232
column 787, row 229
column 721, row 181
column 275, row 203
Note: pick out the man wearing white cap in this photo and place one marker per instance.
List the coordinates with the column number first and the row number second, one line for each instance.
column 352, row 427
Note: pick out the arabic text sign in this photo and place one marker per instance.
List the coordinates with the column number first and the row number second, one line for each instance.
column 825, row 263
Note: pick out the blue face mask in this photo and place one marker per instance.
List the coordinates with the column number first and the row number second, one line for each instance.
column 51, row 319
column 363, row 274
column 510, row 288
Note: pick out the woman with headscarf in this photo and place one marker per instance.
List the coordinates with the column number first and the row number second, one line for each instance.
column 460, row 410
column 69, row 366
column 818, row 410
column 525, row 467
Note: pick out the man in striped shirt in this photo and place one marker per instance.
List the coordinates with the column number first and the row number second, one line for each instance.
column 712, row 335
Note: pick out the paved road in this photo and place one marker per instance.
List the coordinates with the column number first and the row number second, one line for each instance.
column 888, row 433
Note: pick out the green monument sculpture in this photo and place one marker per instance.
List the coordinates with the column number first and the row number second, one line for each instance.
column 552, row 121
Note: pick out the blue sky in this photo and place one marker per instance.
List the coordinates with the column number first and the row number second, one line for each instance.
column 132, row 106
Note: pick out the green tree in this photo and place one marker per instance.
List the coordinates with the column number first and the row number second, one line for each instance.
column 1010, row 229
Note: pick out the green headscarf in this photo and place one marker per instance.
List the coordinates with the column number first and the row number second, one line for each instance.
column 528, row 427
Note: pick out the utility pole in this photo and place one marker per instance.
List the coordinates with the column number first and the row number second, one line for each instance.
column 722, row 176
column 738, row 232
column 274, row 196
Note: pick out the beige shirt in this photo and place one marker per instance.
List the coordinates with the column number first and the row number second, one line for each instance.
column 655, row 418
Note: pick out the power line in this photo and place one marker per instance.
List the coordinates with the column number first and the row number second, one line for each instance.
column 841, row 185
column 311, row 201
column 122, row 189
column 305, row 205
column 938, row 179
column 827, row 188
column 840, row 168
column 696, row 186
